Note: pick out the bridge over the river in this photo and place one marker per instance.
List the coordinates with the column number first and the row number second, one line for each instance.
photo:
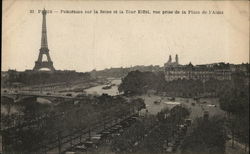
column 16, row 97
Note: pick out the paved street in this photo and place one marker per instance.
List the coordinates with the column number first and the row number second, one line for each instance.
column 238, row 147
column 197, row 110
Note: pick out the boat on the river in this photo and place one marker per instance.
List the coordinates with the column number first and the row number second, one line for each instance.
column 171, row 99
column 158, row 101
column 107, row 87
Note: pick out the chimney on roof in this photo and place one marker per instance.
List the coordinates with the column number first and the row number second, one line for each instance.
column 170, row 59
column 176, row 59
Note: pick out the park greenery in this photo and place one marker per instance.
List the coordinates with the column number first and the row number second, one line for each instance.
column 45, row 123
column 208, row 136
column 154, row 133
column 235, row 102
column 138, row 83
column 233, row 97
column 149, row 135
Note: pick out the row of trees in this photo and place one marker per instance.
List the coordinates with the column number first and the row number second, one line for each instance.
column 65, row 118
column 34, row 78
column 166, row 130
column 208, row 136
column 148, row 135
column 235, row 102
column 130, row 138
column 193, row 88
column 137, row 82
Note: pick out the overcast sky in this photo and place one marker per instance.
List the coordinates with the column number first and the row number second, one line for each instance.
column 83, row 42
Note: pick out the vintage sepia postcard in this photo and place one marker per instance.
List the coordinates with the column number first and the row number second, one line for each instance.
column 125, row 77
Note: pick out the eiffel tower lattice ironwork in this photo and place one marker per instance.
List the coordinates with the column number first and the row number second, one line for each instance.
column 44, row 49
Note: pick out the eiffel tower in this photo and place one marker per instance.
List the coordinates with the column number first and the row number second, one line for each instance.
column 44, row 49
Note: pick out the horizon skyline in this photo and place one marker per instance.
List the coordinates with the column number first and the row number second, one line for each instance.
column 125, row 40
column 126, row 67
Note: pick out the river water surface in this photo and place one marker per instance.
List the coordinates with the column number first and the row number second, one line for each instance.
column 97, row 90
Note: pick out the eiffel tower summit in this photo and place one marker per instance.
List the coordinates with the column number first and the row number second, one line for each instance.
column 44, row 50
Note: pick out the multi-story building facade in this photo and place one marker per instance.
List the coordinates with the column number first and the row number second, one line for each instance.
column 174, row 71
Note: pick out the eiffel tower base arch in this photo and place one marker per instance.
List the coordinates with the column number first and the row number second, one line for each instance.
column 44, row 64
